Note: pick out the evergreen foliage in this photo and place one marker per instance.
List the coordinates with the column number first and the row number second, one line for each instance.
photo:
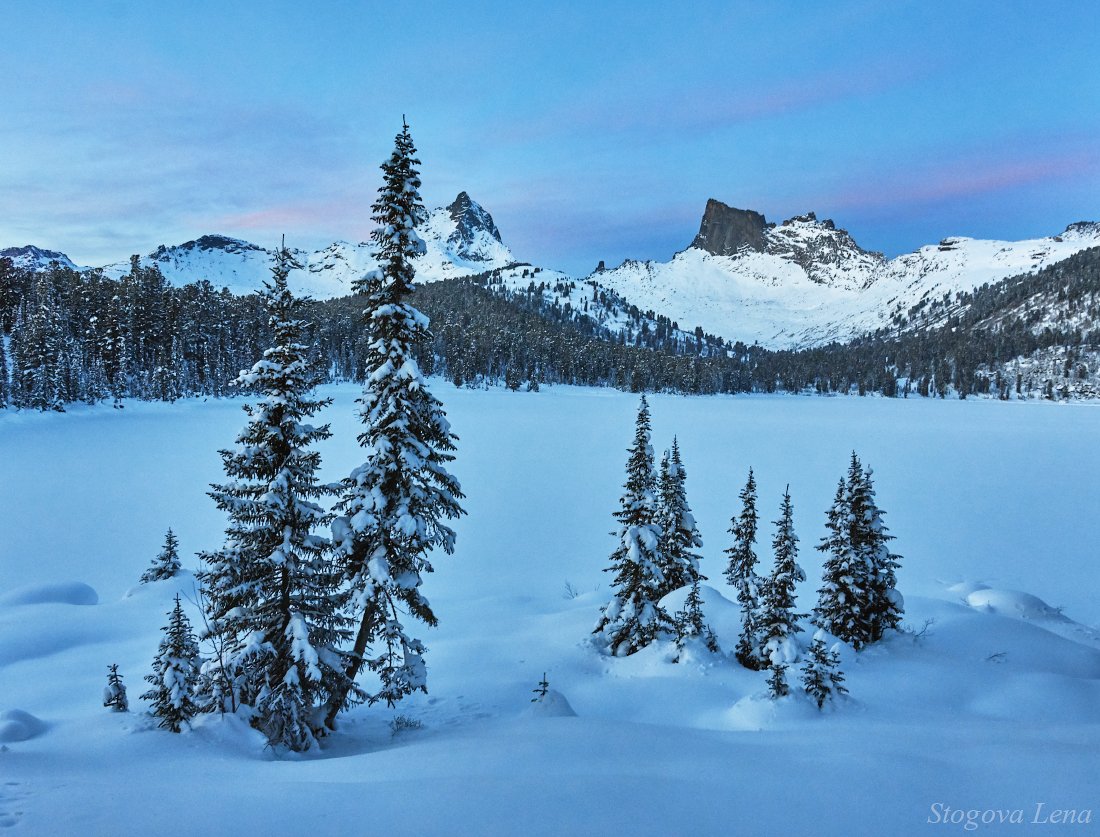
column 114, row 693
column 741, row 575
column 175, row 673
column 822, row 678
column 777, row 681
column 779, row 622
column 394, row 505
column 167, row 563
column 135, row 337
column 690, row 623
column 634, row 617
column 679, row 534
column 270, row 590
column 858, row 600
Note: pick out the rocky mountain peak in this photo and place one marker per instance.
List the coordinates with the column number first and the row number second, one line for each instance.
column 725, row 230
column 472, row 225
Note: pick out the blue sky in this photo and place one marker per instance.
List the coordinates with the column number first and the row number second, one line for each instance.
column 590, row 131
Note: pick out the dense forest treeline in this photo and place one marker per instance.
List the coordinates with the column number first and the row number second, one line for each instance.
column 84, row 337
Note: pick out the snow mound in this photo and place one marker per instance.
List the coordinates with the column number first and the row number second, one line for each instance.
column 965, row 588
column 551, row 705
column 17, row 725
column 1012, row 603
column 65, row 592
column 757, row 712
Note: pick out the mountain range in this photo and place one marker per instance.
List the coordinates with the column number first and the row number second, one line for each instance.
column 799, row 283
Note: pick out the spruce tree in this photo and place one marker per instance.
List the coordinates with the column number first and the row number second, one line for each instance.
column 886, row 604
column 858, row 601
column 845, row 591
column 167, row 563
column 634, row 617
column 822, row 678
column 741, row 575
column 679, row 534
column 3, row 372
column 777, row 681
column 114, row 693
column 394, row 505
column 779, row 622
column 175, row 673
column 690, row 623
column 270, row 590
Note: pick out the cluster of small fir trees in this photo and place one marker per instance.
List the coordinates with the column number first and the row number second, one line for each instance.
column 858, row 601
column 655, row 554
column 282, row 603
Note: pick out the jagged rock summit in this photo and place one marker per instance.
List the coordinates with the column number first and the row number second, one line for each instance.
column 472, row 224
column 806, row 281
column 461, row 239
column 725, row 230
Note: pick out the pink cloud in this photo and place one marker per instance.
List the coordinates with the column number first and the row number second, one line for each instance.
column 962, row 178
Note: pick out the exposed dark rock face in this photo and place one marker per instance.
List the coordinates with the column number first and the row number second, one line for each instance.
column 470, row 219
column 726, row 230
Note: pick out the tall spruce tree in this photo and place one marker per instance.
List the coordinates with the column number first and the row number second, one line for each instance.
column 167, row 563
column 845, row 591
column 679, row 534
column 779, row 622
column 634, row 617
column 741, row 575
column 270, row 590
column 175, row 673
column 394, row 505
column 886, row 604
column 858, row 600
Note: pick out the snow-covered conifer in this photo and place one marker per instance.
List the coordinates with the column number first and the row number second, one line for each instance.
column 886, row 605
column 634, row 618
column 822, row 678
column 857, row 601
column 679, row 534
column 271, row 590
column 779, row 622
column 777, row 681
column 114, row 693
column 175, row 672
column 394, row 505
column 691, row 624
column 167, row 563
column 741, row 575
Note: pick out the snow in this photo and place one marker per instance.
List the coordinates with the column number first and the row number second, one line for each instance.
column 995, row 704
column 65, row 592
column 17, row 725
column 329, row 272
column 771, row 298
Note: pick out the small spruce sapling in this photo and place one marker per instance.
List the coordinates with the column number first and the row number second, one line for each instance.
column 689, row 623
column 822, row 678
column 541, row 690
column 777, row 681
column 114, row 693
column 175, row 673
column 167, row 563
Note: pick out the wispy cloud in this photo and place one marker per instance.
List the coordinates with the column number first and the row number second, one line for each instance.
column 963, row 178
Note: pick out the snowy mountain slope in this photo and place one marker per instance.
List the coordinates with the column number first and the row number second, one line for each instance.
column 461, row 240
column 804, row 282
column 33, row 258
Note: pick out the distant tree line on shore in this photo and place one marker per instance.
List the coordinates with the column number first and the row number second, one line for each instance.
column 84, row 337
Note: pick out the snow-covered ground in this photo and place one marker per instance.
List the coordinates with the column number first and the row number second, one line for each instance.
column 995, row 707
